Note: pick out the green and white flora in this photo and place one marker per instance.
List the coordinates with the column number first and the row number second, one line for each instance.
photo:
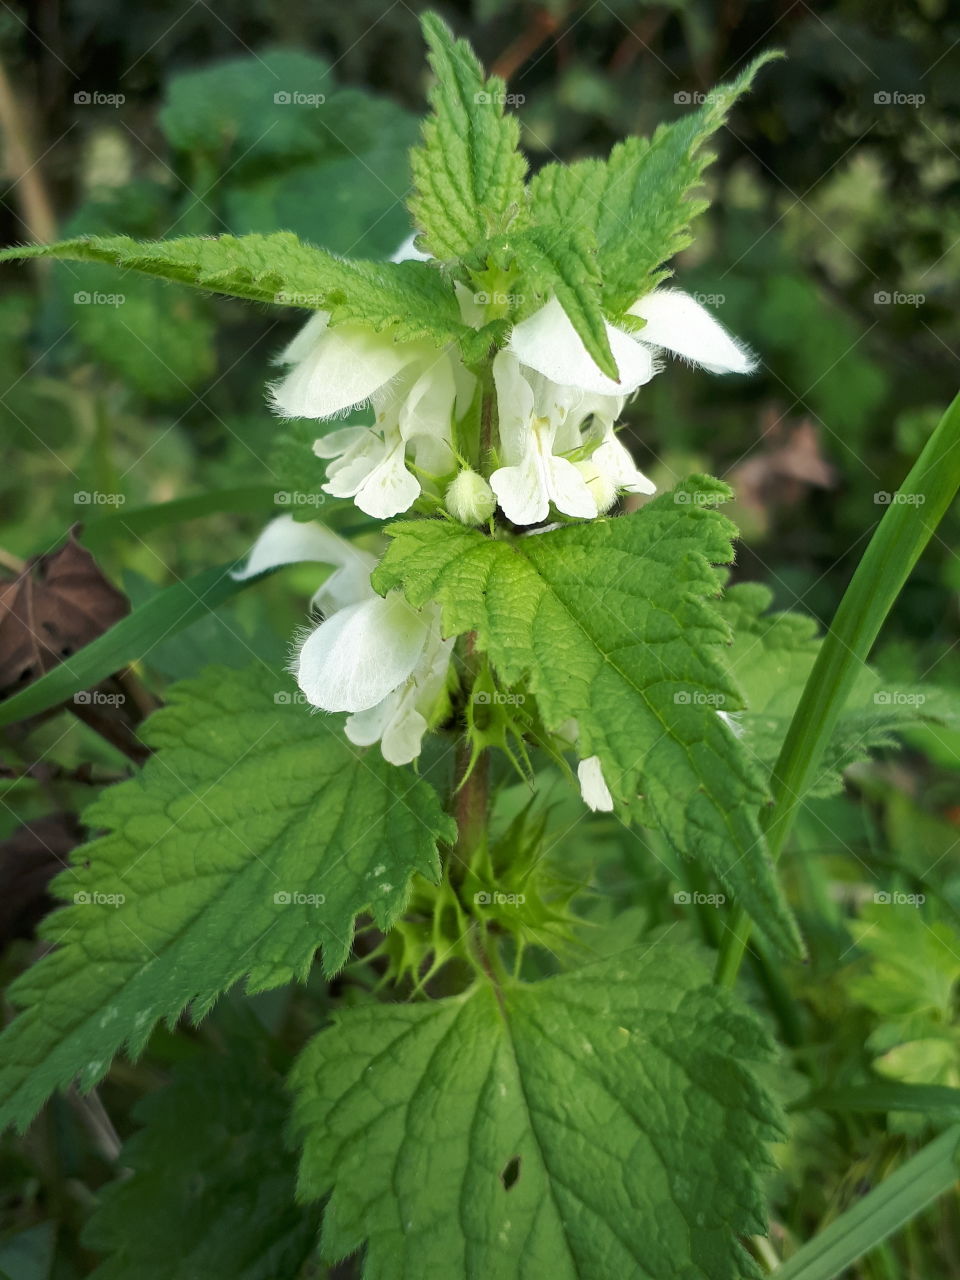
column 515, row 1085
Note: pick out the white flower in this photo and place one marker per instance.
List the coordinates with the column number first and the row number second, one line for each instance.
column 414, row 390
column 378, row 658
column 675, row 322
column 533, row 412
column 593, row 787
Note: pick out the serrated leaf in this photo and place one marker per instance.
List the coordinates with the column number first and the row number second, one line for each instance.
column 771, row 658
column 563, row 261
column 247, row 798
column 638, row 201
column 409, row 298
column 610, row 624
column 571, row 1129
column 217, row 1126
column 468, row 174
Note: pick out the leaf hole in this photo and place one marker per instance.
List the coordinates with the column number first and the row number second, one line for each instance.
column 510, row 1173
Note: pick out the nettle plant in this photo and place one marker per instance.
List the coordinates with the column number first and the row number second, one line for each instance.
column 513, row 1084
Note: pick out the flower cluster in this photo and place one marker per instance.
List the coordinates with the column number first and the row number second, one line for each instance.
column 556, row 451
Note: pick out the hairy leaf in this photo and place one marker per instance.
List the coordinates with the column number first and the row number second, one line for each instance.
column 574, row 1128
column 410, row 298
column 468, row 174
column 638, row 201
column 254, row 837
column 611, row 625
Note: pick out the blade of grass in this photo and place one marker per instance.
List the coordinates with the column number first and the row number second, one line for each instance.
column 906, row 528
column 164, row 614
column 879, row 1214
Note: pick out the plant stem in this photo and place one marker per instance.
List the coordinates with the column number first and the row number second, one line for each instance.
column 906, row 528
column 471, row 784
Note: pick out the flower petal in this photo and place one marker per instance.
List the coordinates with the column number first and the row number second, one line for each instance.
column 548, row 342
column 679, row 323
column 389, row 488
column 521, row 491
column 614, row 460
column 344, row 367
column 593, row 786
column 305, row 339
column 569, row 490
column 289, row 541
column 361, row 654
column 408, row 251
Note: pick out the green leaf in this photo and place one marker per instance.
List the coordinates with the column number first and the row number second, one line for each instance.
column 638, row 201
column 410, row 298
column 610, row 623
column 563, row 261
column 771, row 658
column 248, row 797
column 468, row 174
column 930, row 1099
column 218, row 1125
column 572, row 1128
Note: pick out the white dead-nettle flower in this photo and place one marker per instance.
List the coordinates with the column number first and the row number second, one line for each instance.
column 549, row 388
column 415, row 390
column 376, row 657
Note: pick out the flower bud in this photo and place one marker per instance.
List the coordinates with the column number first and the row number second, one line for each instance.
column 602, row 488
column 470, row 499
